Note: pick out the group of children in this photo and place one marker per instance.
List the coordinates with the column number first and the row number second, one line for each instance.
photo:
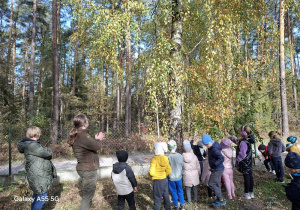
column 170, row 173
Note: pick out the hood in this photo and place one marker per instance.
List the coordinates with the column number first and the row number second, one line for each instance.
column 215, row 145
column 24, row 143
column 276, row 142
column 119, row 167
column 122, row 156
column 251, row 139
column 188, row 157
column 162, row 160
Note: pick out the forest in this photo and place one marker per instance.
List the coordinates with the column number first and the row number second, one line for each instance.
column 166, row 68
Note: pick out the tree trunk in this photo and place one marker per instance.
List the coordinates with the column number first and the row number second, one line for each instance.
column 75, row 65
column 9, row 43
column 284, row 108
column 128, row 85
column 55, row 115
column 24, row 78
column 176, row 109
column 291, row 43
column 32, row 63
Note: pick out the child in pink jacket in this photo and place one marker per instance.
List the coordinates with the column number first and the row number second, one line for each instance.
column 227, row 152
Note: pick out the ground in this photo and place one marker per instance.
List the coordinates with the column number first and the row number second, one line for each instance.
column 66, row 195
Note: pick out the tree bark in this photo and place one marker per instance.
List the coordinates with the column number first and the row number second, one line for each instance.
column 55, row 115
column 128, row 85
column 291, row 43
column 284, row 108
column 24, row 78
column 176, row 109
column 9, row 42
column 32, row 63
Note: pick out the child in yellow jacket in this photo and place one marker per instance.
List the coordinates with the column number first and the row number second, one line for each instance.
column 159, row 170
column 294, row 147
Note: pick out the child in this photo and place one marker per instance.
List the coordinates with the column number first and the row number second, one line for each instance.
column 264, row 151
column 292, row 162
column 159, row 170
column 200, row 153
column 215, row 161
column 175, row 178
column 244, row 159
column 206, row 175
column 288, row 147
column 124, row 181
column 275, row 148
column 227, row 152
column 294, row 147
column 191, row 171
column 40, row 170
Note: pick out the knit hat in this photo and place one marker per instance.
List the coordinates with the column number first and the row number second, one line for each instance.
column 292, row 160
column 261, row 147
column 122, row 155
column 187, row 146
column 200, row 143
column 225, row 143
column 206, row 139
column 292, row 139
column 172, row 146
column 288, row 146
column 161, row 148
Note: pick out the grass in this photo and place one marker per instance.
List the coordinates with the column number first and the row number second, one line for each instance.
column 268, row 195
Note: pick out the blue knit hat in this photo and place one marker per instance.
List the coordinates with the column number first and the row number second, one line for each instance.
column 292, row 160
column 206, row 139
column 187, row 146
column 292, row 139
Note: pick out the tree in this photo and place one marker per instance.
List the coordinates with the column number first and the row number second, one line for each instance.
column 55, row 74
column 284, row 108
column 176, row 56
column 32, row 62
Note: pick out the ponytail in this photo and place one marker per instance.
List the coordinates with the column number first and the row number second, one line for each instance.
column 78, row 121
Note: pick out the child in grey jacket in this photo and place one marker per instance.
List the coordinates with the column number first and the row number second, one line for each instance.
column 124, row 181
column 275, row 148
column 175, row 178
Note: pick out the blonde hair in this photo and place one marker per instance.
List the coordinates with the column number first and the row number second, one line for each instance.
column 78, row 121
column 33, row 132
column 273, row 135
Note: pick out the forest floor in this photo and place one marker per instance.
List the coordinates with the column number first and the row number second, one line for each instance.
column 67, row 195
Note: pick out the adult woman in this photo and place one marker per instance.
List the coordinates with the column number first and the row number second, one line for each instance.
column 85, row 150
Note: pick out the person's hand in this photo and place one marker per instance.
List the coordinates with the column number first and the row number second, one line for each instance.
column 100, row 136
column 135, row 189
column 226, row 133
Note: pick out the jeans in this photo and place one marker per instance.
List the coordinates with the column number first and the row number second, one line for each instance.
column 89, row 180
column 161, row 189
column 38, row 201
column 130, row 200
column 267, row 162
column 215, row 183
column 248, row 182
column 176, row 192
column 277, row 162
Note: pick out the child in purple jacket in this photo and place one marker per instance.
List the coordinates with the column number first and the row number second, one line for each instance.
column 244, row 159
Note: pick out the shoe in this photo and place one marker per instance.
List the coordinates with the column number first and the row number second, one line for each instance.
column 246, row 196
column 182, row 207
column 280, row 181
column 176, row 208
column 217, row 203
column 233, row 195
column 251, row 194
column 229, row 197
column 270, row 171
column 274, row 172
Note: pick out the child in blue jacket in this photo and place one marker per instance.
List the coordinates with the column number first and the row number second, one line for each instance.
column 215, row 160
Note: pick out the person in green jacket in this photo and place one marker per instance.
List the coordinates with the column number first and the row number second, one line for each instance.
column 39, row 169
column 85, row 150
